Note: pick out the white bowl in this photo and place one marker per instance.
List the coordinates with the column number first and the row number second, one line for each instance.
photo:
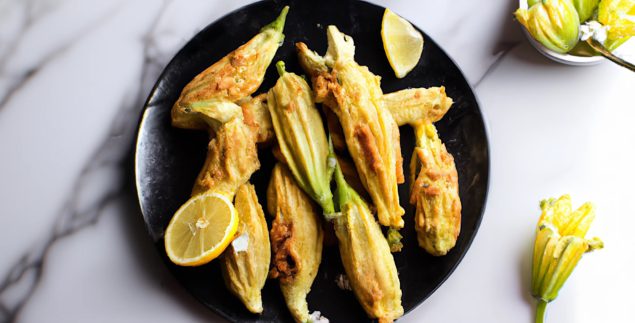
column 580, row 55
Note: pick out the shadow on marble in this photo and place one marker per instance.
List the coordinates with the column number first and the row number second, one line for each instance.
column 148, row 260
column 512, row 42
column 508, row 39
column 524, row 273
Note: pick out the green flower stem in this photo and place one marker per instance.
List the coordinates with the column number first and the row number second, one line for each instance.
column 608, row 55
column 278, row 24
column 281, row 68
column 540, row 311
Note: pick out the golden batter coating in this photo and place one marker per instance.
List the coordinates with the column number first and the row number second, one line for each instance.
column 301, row 137
column 208, row 102
column 435, row 192
column 366, row 256
column 353, row 93
column 232, row 157
column 245, row 271
column 235, row 76
column 296, row 240
column 413, row 105
column 438, row 212
column 256, row 115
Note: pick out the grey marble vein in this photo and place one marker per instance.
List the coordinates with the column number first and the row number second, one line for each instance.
column 18, row 81
column 23, row 278
column 26, row 6
column 505, row 48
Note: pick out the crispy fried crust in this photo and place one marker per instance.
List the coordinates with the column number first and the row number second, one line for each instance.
column 245, row 272
column 368, row 146
column 300, row 136
column 434, row 192
column 366, row 256
column 353, row 93
column 235, row 76
column 256, row 115
column 410, row 106
column 335, row 131
column 296, row 240
column 231, row 159
column 285, row 261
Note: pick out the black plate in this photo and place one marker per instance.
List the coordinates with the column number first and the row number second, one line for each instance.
column 168, row 159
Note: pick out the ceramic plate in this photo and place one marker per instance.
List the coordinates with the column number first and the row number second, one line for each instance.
column 167, row 159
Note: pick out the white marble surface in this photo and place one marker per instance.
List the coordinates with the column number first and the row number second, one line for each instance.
column 74, row 74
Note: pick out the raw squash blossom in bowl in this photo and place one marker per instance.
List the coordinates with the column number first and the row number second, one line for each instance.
column 578, row 32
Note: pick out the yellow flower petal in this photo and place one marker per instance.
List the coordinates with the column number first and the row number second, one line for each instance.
column 554, row 23
column 619, row 17
column 560, row 244
column 579, row 222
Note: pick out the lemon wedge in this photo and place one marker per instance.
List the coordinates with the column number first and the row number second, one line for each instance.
column 403, row 44
column 201, row 229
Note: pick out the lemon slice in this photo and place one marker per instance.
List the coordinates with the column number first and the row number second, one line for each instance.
column 201, row 229
column 403, row 44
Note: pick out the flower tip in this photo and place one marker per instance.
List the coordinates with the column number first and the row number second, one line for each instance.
column 280, row 66
column 278, row 24
column 595, row 244
column 522, row 16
